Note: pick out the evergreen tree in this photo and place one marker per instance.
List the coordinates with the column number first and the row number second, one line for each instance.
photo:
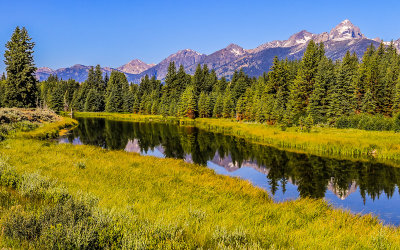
column 187, row 107
column 219, row 106
column 240, row 108
column 396, row 100
column 94, row 101
column 324, row 80
column 2, row 90
column 239, row 85
column 228, row 110
column 304, row 83
column 368, row 103
column 203, row 105
column 116, row 98
column 21, row 88
column 198, row 80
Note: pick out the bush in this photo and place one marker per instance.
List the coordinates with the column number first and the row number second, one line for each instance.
column 64, row 221
column 68, row 225
column 8, row 176
column 396, row 122
column 15, row 115
column 365, row 122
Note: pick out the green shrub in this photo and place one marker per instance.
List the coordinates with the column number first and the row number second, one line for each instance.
column 396, row 122
column 8, row 176
column 365, row 122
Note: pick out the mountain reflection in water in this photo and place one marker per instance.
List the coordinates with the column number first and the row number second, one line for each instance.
column 286, row 175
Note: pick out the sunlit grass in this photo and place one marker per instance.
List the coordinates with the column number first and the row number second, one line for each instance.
column 206, row 207
column 49, row 130
column 173, row 204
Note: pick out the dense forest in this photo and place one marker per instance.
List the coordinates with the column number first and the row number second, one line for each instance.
column 315, row 90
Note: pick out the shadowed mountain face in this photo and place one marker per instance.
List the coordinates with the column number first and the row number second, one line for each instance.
column 345, row 36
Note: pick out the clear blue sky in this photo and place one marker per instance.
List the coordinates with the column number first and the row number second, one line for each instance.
column 111, row 33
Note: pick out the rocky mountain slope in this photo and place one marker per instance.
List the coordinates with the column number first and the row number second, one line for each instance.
column 342, row 38
column 135, row 67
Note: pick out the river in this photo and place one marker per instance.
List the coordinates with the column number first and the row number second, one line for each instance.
column 359, row 186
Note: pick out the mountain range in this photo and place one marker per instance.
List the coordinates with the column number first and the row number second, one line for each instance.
column 342, row 38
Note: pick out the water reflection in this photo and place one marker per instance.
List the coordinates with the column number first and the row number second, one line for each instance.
column 310, row 175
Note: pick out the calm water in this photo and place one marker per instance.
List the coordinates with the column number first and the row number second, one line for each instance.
column 362, row 187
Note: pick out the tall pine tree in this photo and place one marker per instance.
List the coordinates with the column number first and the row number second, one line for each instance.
column 21, row 88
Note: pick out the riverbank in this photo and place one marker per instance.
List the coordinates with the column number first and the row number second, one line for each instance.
column 148, row 202
column 177, row 204
column 383, row 146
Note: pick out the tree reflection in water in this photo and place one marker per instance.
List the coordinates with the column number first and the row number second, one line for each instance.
column 311, row 174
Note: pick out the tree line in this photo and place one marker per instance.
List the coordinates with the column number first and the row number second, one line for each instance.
column 313, row 90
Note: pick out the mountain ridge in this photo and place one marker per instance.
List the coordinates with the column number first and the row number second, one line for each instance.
column 342, row 38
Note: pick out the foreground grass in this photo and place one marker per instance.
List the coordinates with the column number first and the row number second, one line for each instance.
column 190, row 204
column 49, row 130
column 353, row 143
column 148, row 202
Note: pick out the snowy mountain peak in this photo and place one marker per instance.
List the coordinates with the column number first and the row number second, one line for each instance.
column 235, row 49
column 344, row 31
column 135, row 66
column 301, row 37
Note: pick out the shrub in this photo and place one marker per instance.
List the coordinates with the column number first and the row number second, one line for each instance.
column 365, row 122
column 8, row 176
column 396, row 122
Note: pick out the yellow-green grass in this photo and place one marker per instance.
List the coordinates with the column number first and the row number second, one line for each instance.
column 383, row 146
column 49, row 130
column 205, row 208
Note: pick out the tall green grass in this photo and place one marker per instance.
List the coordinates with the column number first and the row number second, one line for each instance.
column 49, row 130
column 148, row 202
column 167, row 203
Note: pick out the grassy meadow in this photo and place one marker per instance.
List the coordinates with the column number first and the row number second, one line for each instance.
column 168, row 203
column 80, row 196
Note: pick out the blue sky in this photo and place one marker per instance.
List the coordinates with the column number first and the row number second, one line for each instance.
column 111, row 33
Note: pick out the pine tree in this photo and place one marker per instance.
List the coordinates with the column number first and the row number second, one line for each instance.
column 240, row 108
column 198, row 80
column 187, row 107
column 396, row 99
column 219, row 106
column 2, row 90
column 368, row 104
column 203, row 105
column 239, row 85
column 116, row 98
column 324, row 80
column 129, row 99
column 94, row 101
column 303, row 85
column 21, row 88
column 228, row 105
